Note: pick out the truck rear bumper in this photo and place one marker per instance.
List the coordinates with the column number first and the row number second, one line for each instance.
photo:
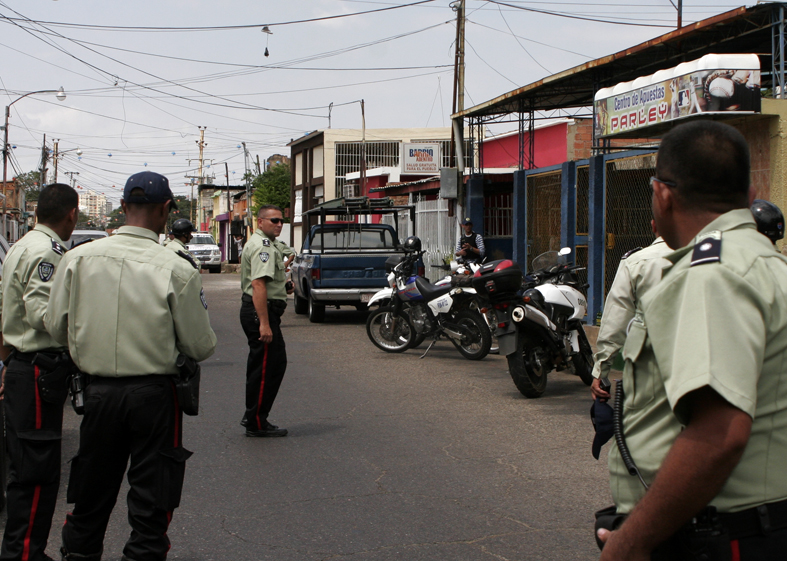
column 343, row 294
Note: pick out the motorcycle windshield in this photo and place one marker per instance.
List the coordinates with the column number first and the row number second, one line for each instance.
column 548, row 260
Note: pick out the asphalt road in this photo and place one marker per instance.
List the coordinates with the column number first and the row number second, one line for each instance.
column 388, row 457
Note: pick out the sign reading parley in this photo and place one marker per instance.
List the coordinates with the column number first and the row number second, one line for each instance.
column 711, row 84
column 420, row 158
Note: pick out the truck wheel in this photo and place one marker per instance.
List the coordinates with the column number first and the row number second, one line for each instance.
column 301, row 305
column 316, row 312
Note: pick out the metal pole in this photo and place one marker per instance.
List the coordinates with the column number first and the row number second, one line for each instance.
column 461, row 84
column 363, row 150
column 5, row 165
column 680, row 14
column 54, row 165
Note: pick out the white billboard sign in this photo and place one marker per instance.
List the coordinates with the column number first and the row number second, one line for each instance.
column 421, row 158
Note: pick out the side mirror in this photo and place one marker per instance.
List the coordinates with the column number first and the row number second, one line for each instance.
column 564, row 251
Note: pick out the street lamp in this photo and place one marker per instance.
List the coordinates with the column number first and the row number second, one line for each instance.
column 60, row 95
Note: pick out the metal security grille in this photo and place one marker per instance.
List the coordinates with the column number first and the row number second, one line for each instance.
column 445, row 151
column 543, row 214
column 437, row 232
column 348, row 159
column 499, row 215
column 583, row 200
column 628, row 212
column 581, row 259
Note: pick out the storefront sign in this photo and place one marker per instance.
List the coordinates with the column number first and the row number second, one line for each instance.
column 421, row 159
column 710, row 85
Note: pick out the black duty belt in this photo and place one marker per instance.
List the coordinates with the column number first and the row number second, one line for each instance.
column 755, row 521
column 246, row 298
column 28, row 357
column 279, row 305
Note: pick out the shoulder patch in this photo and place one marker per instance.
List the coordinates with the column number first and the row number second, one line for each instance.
column 266, row 242
column 188, row 258
column 45, row 271
column 57, row 248
column 631, row 252
column 202, row 298
column 707, row 250
column 264, row 257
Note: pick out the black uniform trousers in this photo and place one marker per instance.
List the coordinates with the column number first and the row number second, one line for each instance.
column 34, row 429
column 266, row 363
column 135, row 417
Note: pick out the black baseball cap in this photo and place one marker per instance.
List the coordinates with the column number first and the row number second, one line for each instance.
column 602, row 416
column 155, row 186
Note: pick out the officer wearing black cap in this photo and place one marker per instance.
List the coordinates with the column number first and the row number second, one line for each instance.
column 181, row 230
column 769, row 219
column 127, row 308
column 470, row 245
column 34, row 396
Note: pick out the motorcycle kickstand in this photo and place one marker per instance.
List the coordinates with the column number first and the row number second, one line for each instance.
column 429, row 347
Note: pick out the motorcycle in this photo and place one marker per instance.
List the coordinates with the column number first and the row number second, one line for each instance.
column 539, row 319
column 416, row 309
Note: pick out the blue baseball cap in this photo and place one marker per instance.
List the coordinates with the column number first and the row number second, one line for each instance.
column 602, row 416
column 155, row 186
column 467, row 222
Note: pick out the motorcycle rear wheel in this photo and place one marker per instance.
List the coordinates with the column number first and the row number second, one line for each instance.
column 385, row 336
column 527, row 371
column 583, row 360
column 475, row 346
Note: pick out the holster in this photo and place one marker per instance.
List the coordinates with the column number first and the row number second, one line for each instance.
column 703, row 539
column 187, row 384
column 53, row 378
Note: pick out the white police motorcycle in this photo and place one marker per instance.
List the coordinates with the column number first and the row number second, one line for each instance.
column 416, row 309
column 539, row 321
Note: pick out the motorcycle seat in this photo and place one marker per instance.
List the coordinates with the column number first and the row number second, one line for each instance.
column 430, row 291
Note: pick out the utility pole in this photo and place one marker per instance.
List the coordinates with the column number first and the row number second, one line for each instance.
column 246, row 157
column 363, row 150
column 459, row 84
column 259, row 169
column 42, row 175
column 71, row 174
column 54, row 166
column 680, row 13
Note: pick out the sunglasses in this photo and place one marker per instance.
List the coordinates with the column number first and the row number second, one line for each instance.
column 274, row 220
column 667, row 183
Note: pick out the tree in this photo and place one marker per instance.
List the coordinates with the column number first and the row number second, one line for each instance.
column 30, row 183
column 116, row 218
column 272, row 187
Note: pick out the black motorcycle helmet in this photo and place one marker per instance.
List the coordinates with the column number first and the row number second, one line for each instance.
column 412, row 244
column 182, row 227
column 769, row 219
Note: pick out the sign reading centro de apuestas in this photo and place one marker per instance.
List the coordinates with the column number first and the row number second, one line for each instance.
column 710, row 85
column 421, row 158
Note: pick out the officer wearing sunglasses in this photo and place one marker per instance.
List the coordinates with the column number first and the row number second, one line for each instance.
column 263, row 281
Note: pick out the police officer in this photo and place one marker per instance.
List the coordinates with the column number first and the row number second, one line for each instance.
column 638, row 272
column 705, row 406
column 262, row 305
column 127, row 307
column 181, row 230
column 34, row 419
column 769, row 219
column 470, row 245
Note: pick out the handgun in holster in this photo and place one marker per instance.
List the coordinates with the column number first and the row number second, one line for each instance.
column 54, row 371
column 187, row 384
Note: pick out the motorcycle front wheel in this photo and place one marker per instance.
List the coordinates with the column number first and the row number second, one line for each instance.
column 527, row 369
column 389, row 332
column 477, row 341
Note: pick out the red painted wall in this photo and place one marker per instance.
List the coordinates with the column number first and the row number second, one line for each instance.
column 551, row 148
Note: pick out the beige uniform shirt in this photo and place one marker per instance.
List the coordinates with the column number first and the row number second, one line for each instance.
column 718, row 324
column 126, row 306
column 636, row 275
column 263, row 258
column 177, row 245
column 29, row 271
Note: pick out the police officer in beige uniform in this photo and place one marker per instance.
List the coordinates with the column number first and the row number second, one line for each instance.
column 181, row 230
column 127, row 307
column 263, row 302
column 34, row 418
column 705, row 413
column 638, row 272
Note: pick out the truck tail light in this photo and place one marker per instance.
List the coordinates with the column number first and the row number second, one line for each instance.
column 315, row 274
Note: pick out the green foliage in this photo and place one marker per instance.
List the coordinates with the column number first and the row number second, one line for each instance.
column 30, row 183
column 272, row 187
column 116, row 219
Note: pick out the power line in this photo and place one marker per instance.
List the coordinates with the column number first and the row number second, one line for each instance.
column 569, row 16
column 219, row 27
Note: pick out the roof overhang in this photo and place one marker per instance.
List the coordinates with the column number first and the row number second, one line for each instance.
column 742, row 30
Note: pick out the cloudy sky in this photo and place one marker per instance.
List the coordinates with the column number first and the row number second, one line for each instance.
column 142, row 76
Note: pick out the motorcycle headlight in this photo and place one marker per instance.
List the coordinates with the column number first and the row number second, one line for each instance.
column 518, row 314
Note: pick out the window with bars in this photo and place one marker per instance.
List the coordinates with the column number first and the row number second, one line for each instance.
column 583, row 200
column 348, row 159
column 499, row 215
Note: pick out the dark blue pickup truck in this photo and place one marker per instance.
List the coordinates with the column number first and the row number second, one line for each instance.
column 342, row 263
